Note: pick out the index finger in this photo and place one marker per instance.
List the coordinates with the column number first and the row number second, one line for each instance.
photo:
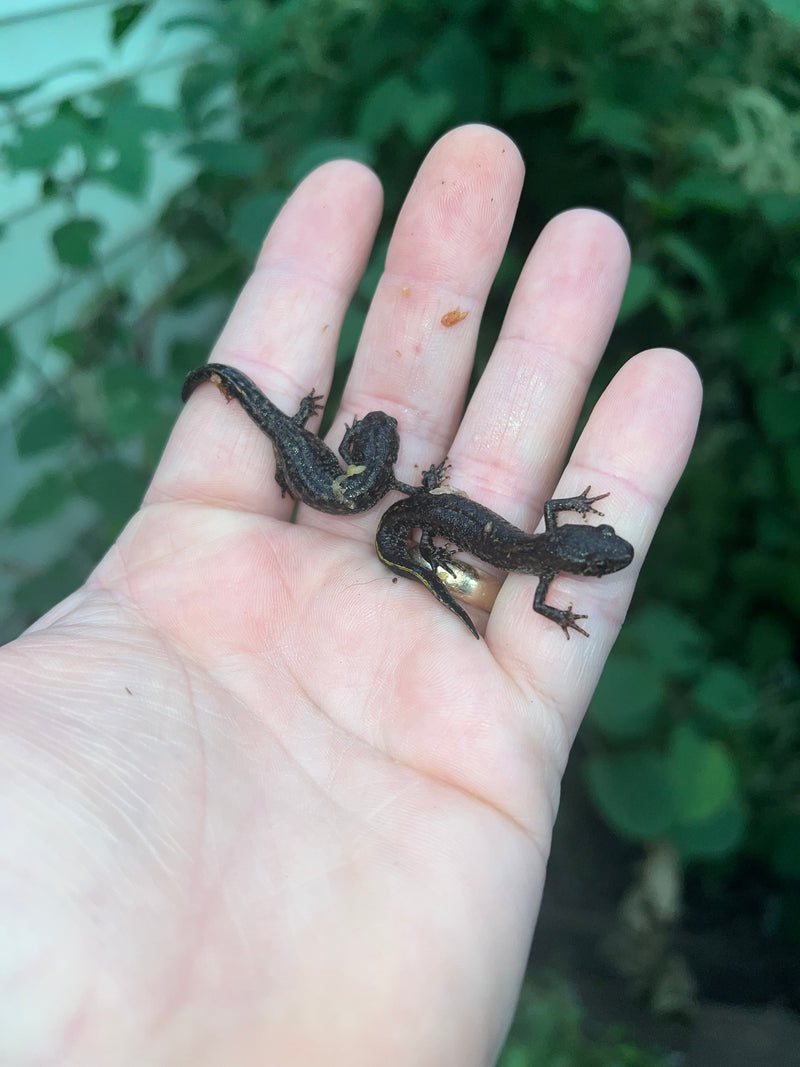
column 283, row 333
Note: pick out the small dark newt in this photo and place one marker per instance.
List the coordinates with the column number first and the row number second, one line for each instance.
column 305, row 467
column 572, row 548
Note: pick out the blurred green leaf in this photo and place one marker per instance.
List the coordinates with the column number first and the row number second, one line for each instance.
column 785, row 9
column 8, row 356
column 779, row 209
column 769, row 642
column 528, row 90
column 375, row 267
column 761, row 351
column 633, row 792
column 78, row 66
column 702, row 772
column 47, row 425
column 672, row 642
column 214, row 23
column 349, row 336
column 718, row 835
column 672, row 306
column 695, row 262
column 394, row 104
column 428, row 116
column 202, row 278
column 319, row 152
column 41, row 146
column 115, row 486
column 185, row 355
column 778, row 533
column 71, row 342
column 127, row 115
column 38, row 592
column 130, row 170
column 640, row 290
column 134, row 399
column 75, row 242
column 786, row 847
column 726, row 692
column 765, row 577
column 252, row 217
column 778, row 410
column 16, row 93
column 383, row 108
column 614, row 124
column 792, row 459
column 454, row 79
column 628, row 698
column 123, row 18
column 46, row 497
column 711, row 190
column 201, row 84
column 157, row 431
column 552, row 1029
column 229, row 159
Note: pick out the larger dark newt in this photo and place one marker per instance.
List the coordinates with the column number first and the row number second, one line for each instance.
column 573, row 548
column 305, row 467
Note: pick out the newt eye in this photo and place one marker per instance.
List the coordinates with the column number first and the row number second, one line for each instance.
column 606, row 530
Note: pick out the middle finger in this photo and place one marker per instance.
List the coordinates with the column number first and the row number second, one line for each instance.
column 416, row 351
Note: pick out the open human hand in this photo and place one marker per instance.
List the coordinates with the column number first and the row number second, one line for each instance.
column 260, row 803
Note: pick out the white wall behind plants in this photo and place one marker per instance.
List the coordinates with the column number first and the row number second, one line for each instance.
column 39, row 39
column 68, row 47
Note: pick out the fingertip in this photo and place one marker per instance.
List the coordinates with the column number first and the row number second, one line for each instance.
column 676, row 365
column 595, row 230
column 643, row 427
column 485, row 138
column 338, row 198
column 668, row 383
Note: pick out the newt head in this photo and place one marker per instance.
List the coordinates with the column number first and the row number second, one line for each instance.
column 588, row 550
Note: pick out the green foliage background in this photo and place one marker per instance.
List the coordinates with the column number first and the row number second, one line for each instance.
column 679, row 117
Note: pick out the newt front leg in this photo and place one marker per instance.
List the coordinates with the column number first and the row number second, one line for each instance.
column 582, row 504
column 564, row 617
